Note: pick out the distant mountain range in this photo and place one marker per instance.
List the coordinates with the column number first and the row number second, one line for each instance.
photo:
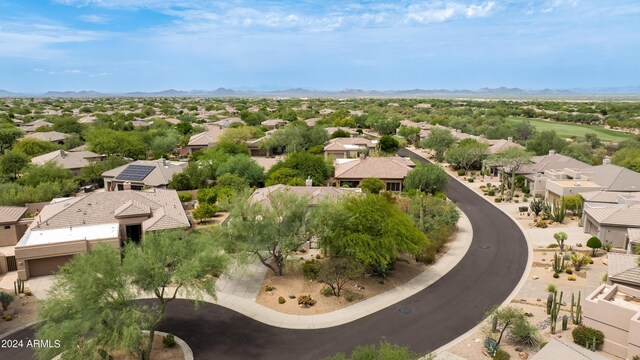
column 501, row 92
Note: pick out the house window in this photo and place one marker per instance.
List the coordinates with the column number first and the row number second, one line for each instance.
column 393, row 186
column 134, row 233
column 7, row 227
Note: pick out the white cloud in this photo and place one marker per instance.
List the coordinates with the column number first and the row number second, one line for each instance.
column 94, row 19
column 438, row 12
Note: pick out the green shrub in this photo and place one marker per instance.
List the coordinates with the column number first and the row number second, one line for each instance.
column 594, row 243
column 461, row 172
column 169, row 340
column 553, row 246
column 525, row 333
column 281, row 300
column 470, row 180
column 306, row 300
column 583, row 336
column 523, row 209
column 502, row 355
column 326, row 291
column 185, row 197
column 543, row 224
column 311, row 269
column 6, row 299
column 571, row 278
column 568, row 271
column 498, row 199
column 268, row 288
column 491, row 192
column 350, row 297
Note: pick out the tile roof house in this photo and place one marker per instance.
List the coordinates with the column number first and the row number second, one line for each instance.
column 611, row 224
column 391, row 170
column 315, row 193
column 205, row 139
column 312, row 121
column 50, row 136
column 614, row 177
column 142, row 173
column 331, row 130
column 76, row 225
column 274, row 123
column 496, row 146
column 348, row 147
column 226, row 122
column 623, row 269
column 32, row 126
column 70, row 160
column 10, row 231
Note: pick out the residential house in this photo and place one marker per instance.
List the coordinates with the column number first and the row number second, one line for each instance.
column 607, row 177
column 226, row 122
column 76, row 225
column 496, row 146
column 87, row 120
column 141, row 174
column 612, row 224
column 32, row 126
column 391, row 170
column 70, row 160
column 256, row 148
column 10, row 228
column 312, row 121
column 409, row 123
column 556, row 167
column 332, row 129
column 623, row 269
column 348, row 147
column 272, row 124
column 50, row 136
column 205, row 139
column 615, row 310
column 267, row 163
column 315, row 193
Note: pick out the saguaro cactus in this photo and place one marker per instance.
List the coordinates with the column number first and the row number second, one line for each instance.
column 555, row 310
column 565, row 322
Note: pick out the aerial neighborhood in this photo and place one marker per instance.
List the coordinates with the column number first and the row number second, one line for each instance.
column 301, row 210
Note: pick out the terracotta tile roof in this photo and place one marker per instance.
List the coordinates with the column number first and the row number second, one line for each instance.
column 164, row 209
column 11, row 214
column 378, row 167
column 67, row 159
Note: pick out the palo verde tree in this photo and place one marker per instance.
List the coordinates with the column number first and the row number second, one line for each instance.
column 91, row 308
column 439, row 140
column 270, row 229
column 509, row 161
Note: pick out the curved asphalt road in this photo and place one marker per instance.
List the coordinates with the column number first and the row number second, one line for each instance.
column 486, row 276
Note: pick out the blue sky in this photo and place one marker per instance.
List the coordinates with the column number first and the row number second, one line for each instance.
column 151, row 45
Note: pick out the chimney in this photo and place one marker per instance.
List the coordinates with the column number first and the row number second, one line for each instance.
column 308, row 182
column 552, row 152
column 126, row 185
column 164, row 161
column 606, row 161
column 63, row 153
column 510, row 139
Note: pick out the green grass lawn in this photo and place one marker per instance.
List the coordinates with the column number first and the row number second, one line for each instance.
column 567, row 129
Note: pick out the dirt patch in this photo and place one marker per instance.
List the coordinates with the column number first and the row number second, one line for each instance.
column 158, row 352
column 25, row 310
column 294, row 283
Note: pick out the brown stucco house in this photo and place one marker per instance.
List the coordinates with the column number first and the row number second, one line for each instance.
column 50, row 136
column 348, row 147
column 76, row 225
column 73, row 161
column 142, row 174
column 391, row 170
column 10, row 229
column 205, row 139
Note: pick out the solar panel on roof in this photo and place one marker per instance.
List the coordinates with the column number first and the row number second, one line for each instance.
column 135, row 172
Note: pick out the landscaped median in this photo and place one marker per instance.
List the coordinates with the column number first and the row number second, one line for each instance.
column 247, row 306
